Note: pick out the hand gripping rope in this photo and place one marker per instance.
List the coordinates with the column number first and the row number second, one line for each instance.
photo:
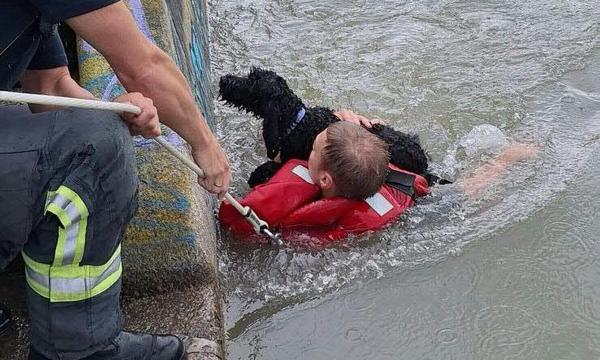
column 260, row 226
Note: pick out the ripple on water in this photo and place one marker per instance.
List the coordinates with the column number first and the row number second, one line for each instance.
column 557, row 291
column 321, row 353
column 362, row 303
column 405, row 323
column 582, row 205
column 588, row 313
column 506, row 332
column 386, row 323
column 353, row 334
column 458, row 278
column 416, row 277
column 446, row 336
column 564, row 242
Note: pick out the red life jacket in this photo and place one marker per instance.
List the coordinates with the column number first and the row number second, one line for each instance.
column 292, row 204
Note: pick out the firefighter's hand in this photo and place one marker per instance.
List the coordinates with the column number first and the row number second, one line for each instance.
column 146, row 123
column 213, row 161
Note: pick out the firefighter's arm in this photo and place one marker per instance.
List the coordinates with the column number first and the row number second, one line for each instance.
column 56, row 81
column 142, row 67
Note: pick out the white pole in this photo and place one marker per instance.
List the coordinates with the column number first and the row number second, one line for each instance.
column 66, row 101
column 259, row 226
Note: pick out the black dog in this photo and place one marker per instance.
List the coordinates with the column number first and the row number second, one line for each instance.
column 289, row 127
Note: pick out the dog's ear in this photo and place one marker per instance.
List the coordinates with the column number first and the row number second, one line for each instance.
column 270, row 130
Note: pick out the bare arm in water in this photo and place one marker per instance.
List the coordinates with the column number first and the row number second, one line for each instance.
column 475, row 184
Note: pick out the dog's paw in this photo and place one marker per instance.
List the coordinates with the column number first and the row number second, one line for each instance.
column 263, row 173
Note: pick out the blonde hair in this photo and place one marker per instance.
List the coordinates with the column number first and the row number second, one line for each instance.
column 356, row 159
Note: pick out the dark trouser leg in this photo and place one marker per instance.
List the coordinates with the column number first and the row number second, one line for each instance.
column 5, row 320
column 86, row 197
column 68, row 189
column 22, row 137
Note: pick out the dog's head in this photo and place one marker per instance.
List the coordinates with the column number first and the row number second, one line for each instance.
column 266, row 95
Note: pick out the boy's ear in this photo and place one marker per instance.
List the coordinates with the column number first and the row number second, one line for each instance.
column 326, row 181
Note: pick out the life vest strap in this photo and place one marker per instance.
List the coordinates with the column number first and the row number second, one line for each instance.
column 401, row 181
column 434, row 179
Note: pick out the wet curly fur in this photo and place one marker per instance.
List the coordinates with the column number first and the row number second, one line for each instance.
column 267, row 95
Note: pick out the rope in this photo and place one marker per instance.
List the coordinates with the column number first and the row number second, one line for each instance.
column 259, row 225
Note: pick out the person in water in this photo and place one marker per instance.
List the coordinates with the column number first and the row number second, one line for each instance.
column 348, row 161
column 346, row 187
column 476, row 182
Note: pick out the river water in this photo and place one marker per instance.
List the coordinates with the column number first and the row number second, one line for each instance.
column 510, row 275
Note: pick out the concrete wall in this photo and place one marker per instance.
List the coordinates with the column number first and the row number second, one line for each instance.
column 169, row 254
column 171, row 243
column 171, row 240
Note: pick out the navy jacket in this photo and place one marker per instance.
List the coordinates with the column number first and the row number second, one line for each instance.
column 28, row 35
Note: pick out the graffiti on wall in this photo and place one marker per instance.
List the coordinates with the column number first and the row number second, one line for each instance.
column 165, row 191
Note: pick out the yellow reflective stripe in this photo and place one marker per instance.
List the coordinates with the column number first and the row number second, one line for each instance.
column 73, row 214
column 34, row 265
column 95, row 271
column 38, row 288
column 71, row 271
column 72, row 282
column 83, row 212
column 74, row 296
column 65, row 280
column 72, row 195
column 83, row 295
column 60, row 214
column 80, row 242
column 49, row 198
column 60, row 246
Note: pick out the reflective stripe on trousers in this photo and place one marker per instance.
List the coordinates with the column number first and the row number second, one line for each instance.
column 65, row 280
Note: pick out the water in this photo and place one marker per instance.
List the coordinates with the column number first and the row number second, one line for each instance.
column 512, row 274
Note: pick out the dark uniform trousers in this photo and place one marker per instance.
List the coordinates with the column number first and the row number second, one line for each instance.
column 68, row 189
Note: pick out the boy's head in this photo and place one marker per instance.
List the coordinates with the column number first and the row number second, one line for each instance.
column 347, row 160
